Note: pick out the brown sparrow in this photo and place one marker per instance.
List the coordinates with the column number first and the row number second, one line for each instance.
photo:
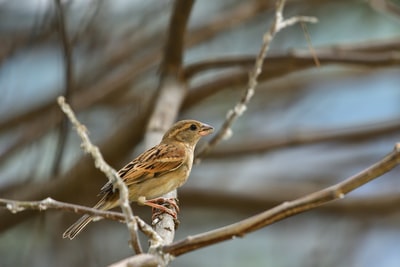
column 154, row 173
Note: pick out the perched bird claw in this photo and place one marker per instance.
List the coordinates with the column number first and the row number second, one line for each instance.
column 162, row 205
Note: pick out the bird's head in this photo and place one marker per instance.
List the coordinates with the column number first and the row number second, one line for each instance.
column 188, row 131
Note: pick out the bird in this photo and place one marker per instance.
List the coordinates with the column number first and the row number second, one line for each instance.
column 153, row 173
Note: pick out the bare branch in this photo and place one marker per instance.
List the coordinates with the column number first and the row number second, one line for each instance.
column 278, row 66
column 69, row 83
column 278, row 24
column 299, row 59
column 111, row 174
column 173, row 53
column 141, row 260
column 227, row 19
column 287, row 209
column 15, row 206
column 261, row 145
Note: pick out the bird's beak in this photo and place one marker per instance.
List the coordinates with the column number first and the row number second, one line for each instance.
column 206, row 130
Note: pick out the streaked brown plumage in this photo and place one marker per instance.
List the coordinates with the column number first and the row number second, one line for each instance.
column 155, row 172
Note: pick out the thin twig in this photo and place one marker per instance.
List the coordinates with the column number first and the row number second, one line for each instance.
column 278, row 24
column 227, row 19
column 68, row 80
column 111, row 174
column 281, row 65
column 298, row 59
column 15, row 206
column 309, row 44
column 287, row 209
column 88, row 22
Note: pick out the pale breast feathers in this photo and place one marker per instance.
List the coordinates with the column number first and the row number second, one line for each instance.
column 154, row 162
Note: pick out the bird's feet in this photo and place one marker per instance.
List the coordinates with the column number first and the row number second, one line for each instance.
column 162, row 205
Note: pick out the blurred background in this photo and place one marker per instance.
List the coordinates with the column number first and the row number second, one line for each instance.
column 311, row 123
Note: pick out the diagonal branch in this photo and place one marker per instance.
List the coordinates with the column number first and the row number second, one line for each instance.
column 287, row 209
column 111, row 174
column 278, row 24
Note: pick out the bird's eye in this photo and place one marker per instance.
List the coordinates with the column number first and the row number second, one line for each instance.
column 193, row 127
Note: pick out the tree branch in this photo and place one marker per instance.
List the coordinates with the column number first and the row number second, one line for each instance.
column 171, row 93
column 287, row 209
column 278, row 24
column 15, row 206
column 360, row 55
column 68, row 87
column 111, row 174
column 141, row 260
column 254, row 144
column 299, row 59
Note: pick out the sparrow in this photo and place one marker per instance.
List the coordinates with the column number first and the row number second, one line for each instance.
column 153, row 173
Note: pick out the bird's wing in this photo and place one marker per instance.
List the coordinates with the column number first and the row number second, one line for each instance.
column 152, row 163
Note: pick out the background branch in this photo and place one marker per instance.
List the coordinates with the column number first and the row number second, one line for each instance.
column 279, row 65
column 301, row 59
column 278, row 24
column 69, row 84
column 171, row 92
column 255, row 145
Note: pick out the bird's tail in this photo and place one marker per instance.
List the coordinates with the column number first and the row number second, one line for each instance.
column 106, row 202
column 77, row 227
